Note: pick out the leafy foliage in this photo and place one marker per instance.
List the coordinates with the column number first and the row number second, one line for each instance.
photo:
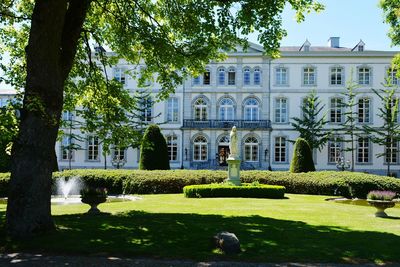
column 387, row 135
column 302, row 160
column 154, row 150
column 309, row 126
column 8, row 132
column 224, row 190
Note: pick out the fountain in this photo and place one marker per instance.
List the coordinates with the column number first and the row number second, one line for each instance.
column 65, row 187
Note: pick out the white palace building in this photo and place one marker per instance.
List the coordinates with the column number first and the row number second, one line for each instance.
column 259, row 95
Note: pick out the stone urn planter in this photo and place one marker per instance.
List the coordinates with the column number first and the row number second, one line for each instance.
column 93, row 197
column 380, row 206
column 381, row 200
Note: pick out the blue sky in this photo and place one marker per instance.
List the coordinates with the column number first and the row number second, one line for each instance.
column 351, row 20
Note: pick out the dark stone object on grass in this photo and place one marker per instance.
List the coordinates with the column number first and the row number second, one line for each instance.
column 227, row 242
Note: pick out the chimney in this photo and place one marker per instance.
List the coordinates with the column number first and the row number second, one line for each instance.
column 334, row 42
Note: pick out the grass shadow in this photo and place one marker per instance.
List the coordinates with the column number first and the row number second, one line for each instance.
column 187, row 236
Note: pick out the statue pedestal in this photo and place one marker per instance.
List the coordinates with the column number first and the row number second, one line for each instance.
column 234, row 170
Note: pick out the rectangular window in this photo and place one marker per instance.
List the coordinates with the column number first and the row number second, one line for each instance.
column 280, row 149
column 364, row 75
column 336, row 76
column 173, row 110
column 309, row 76
column 364, row 110
column 119, row 154
column 334, row 150
column 66, row 148
column 196, row 80
column 231, row 77
column 221, row 76
column 336, row 110
column 392, row 76
column 172, row 143
column 146, row 109
column 257, row 76
column 392, row 152
column 363, row 150
column 281, row 76
column 119, row 75
column 281, row 110
column 246, row 76
column 67, row 115
column 206, row 77
column 93, row 148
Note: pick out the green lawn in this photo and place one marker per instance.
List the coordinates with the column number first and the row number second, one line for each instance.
column 301, row 228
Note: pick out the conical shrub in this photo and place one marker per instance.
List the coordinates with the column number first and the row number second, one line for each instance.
column 153, row 150
column 302, row 160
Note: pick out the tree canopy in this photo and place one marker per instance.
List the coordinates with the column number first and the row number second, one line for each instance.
column 49, row 56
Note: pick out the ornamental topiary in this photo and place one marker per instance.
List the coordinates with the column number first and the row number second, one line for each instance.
column 154, row 150
column 302, row 160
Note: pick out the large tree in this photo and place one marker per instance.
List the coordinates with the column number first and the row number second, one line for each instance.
column 388, row 134
column 311, row 125
column 46, row 41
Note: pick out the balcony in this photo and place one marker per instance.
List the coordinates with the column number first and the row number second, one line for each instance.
column 222, row 124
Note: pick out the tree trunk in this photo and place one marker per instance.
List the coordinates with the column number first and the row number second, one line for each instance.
column 50, row 52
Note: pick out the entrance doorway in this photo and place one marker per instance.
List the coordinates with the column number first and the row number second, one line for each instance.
column 223, row 154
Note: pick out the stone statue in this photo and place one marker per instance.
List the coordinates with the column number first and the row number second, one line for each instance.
column 233, row 144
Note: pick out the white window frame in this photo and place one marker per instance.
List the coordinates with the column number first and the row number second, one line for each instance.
column 172, row 144
column 336, row 74
column 363, row 150
column 119, row 75
column 173, row 109
column 226, row 111
column 335, row 148
column 257, row 76
column 251, row 149
column 221, row 76
column 280, row 149
column 364, row 110
column 309, row 76
column 200, row 110
column 200, row 146
column 93, row 148
column 66, row 154
column 336, row 110
column 251, row 109
column 281, row 110
column 281, row 76
column 364, row 75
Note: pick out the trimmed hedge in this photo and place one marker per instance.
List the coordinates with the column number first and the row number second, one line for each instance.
column 330, row 183
column 223, row 190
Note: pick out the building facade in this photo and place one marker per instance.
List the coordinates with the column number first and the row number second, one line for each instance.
column 258, row 95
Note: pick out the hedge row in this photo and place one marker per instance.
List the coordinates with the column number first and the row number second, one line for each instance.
column 156, row 182
column 221, row 190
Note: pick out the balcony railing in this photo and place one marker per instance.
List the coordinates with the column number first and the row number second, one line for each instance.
column 226, row 124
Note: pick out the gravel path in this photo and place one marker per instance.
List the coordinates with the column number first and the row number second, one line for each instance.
column 39, row 260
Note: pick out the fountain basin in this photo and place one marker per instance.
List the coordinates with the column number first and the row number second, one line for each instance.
column 76, row 199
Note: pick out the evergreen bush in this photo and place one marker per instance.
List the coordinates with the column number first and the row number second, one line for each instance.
column 154, row 150
column 302, row 160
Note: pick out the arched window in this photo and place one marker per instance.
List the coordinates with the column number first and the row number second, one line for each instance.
column 226, row 109
column 224, row 140
column 200, row 109
column 172, row 143
column 251, row 110
column 251, row 149
column 200, row 149
column 207, row 77
column 221, row 76
column 257, row 76
column 246, row 76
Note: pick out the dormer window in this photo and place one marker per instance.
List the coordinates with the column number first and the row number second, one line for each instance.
column 306, row 46
column 359, row 47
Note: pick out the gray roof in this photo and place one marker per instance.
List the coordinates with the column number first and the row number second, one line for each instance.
column 313, row 48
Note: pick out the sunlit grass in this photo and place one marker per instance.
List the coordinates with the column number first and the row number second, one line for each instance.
column 301, row 228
